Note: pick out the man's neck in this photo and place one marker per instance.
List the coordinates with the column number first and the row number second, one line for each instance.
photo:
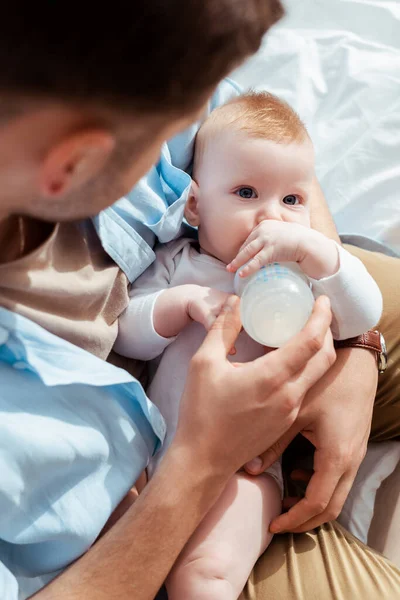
column 10, row 238
column 4, row 217
column 20, row 236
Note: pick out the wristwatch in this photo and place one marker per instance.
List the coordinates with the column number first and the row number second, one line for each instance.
column 371, row 340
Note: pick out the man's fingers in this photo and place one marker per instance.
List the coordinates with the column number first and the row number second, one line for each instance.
column 287, row 361
column 318, row 496
column 224, row 331
column 317, row 366
column 265, row 460
column 311, row 339
column 334, row 507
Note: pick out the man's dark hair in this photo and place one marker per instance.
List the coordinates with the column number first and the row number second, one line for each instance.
column 148, row 55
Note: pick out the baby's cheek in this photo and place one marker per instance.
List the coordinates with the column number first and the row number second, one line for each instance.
column 234, row 250
column 300, row 218
column 225, row 234
column 306, row 216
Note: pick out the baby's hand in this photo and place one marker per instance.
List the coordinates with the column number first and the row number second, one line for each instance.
column 279, row 241
column 177, row 306
column 205, row 305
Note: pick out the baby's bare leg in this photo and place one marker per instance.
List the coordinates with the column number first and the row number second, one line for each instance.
column 219, row 557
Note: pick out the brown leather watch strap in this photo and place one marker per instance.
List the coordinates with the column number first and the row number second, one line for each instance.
column 371, row 340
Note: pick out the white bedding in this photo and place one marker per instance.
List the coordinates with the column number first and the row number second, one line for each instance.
column 337, row 62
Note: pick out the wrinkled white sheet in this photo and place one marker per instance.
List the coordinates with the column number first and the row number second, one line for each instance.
column 337, row 62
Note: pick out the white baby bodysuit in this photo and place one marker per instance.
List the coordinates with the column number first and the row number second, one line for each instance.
column 355, row 299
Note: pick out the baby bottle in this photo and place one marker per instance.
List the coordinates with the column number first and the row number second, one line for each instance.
column 276, row 303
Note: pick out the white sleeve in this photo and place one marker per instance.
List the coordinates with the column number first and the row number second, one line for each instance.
column 137, row 337
column 355, row 297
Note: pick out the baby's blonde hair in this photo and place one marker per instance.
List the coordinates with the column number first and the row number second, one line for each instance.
column 257, row 114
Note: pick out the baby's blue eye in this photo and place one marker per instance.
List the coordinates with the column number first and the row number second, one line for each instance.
column 246, row 192
column 291, row 200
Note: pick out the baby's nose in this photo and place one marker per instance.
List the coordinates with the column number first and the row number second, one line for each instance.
column 269, row 215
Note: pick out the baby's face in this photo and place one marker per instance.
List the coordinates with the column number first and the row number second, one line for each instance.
column 243, row 181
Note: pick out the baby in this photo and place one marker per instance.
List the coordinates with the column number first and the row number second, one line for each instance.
column 250, row 200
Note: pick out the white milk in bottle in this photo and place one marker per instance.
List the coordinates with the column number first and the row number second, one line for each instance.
column 276, row 303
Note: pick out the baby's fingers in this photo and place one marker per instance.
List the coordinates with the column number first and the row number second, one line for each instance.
column 261, row 259
column 244, row 255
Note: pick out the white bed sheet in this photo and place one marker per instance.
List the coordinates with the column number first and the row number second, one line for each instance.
column 337, row 62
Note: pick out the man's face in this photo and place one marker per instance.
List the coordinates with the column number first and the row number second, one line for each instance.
column 137, row 150
column 93, row 156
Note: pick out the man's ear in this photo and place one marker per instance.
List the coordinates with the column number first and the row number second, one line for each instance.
column 191, row 207
column 74, row 161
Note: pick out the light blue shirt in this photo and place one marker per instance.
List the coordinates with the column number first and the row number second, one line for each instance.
column 76, row 432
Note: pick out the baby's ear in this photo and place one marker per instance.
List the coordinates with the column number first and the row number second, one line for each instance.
column 191, row 207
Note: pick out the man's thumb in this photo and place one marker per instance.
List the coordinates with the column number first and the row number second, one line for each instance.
column 222, row 335
column 261, row 463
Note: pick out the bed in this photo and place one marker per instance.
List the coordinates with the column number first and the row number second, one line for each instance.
column 337, row 62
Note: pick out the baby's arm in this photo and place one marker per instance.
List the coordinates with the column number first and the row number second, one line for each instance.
column 178, row 306
column 356, row 300
column 137, row 337
column 218, row 559
column 158, row 310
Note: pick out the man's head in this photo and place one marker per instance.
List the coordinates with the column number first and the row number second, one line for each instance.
column 86, row 98
column 253, row 161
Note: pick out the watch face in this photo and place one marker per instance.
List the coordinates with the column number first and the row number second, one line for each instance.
column 382, row 359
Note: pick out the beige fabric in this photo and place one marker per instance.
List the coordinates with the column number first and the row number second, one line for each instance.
column 325, row 564
column 69, row 286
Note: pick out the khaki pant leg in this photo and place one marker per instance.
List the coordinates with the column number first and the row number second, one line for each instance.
column 386, row 272
column 325, row 564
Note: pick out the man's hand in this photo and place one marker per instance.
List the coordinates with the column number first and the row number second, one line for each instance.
column 273, row 241
column 336, row 417
column 229, row 413
column 232, row 412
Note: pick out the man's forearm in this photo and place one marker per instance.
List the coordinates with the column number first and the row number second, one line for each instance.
column 133, row 559
column 321, row 218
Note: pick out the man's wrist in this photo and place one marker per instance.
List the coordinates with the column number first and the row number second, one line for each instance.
column 373, row 341
column 195, row 472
